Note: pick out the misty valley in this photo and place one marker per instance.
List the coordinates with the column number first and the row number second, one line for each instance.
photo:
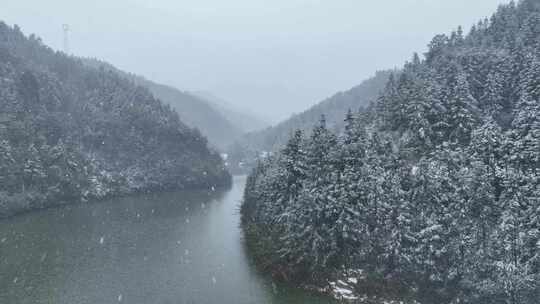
column 420, row 184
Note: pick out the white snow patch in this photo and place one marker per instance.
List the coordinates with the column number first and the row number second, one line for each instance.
column 101, row 240
column 342, row 291
column 349, row 297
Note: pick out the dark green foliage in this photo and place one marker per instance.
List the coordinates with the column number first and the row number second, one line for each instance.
column 435, row 188
column 69, row 132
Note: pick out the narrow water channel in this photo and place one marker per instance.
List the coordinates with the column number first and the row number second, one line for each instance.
column 171, row 248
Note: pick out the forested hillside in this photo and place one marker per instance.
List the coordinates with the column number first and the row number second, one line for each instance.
column 193, row 110
column 433, row 192
column 69, row 132
column 249, row 147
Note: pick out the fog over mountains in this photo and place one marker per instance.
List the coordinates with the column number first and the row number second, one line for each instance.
column 217, row 120
column 273, row 58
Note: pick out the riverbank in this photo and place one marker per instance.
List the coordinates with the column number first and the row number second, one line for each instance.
column 33, row 200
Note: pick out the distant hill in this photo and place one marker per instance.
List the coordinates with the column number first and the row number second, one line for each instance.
column 196, row 112
column 70, row 132
column 242, row 119
column 334, row 109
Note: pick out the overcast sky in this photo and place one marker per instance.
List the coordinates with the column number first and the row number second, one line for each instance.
column 274, row 57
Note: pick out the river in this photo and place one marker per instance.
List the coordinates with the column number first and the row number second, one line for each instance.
column 167, row 248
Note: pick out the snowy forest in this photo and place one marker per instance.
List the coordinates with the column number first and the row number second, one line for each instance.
column 430, row 193
column 70, row 132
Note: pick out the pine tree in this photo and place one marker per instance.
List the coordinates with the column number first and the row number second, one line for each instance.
column 319, row 158
column 463, row 111
column 387, row 104
column 294, row 158
column 526, row 134
column 492, row 100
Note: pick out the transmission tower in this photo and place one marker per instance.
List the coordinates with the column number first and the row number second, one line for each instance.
column 65, row 27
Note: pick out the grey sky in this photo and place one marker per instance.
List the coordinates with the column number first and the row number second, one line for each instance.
column 274, row 57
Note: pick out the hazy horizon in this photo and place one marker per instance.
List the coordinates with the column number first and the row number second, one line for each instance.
column 271, row 58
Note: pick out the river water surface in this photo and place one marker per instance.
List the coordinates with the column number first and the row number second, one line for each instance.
column 181, row 247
